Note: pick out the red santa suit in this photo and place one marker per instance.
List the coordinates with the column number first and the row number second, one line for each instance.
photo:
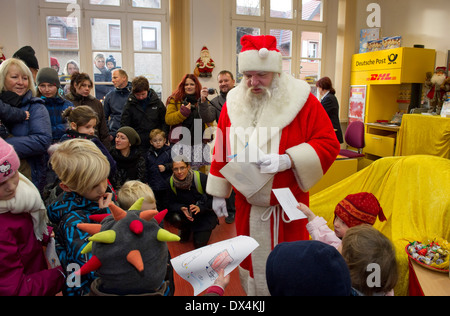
column 295, row 123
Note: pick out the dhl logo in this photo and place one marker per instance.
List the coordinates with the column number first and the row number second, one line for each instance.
column 381, row 77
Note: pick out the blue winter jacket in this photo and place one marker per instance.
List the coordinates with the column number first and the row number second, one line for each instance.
column 114, row 104
column 55, row 107
column 69, row 210
column 33, row 137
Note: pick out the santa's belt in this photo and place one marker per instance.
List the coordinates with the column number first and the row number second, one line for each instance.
column 274, row 211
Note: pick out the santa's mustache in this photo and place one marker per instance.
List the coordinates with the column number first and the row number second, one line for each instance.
column 266, row 92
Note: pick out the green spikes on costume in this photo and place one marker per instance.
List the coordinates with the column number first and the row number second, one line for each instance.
column 164, row 235
column 137, row 206
column 87, row 248
column 106, row 237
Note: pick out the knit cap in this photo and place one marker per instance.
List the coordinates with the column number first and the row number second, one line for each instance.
column 131, row 134
column 360, row 208
column 48, row 75
column 28, row 56
column 307, row 268
column 9, row 161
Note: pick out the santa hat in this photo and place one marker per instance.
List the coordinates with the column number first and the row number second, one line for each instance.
column 9, row 161
column 441, row 69
column 260, row 53
column 360, row 208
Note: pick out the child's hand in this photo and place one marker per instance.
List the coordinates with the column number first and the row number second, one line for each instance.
column 309, row 214
column 222, row 280
column 28, row 115
column 104, row 201
column 161, row 168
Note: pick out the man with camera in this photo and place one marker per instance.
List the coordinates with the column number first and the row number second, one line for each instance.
column 210, row 111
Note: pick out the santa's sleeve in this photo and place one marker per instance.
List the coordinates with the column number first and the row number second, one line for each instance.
column 313, row 158
column 217, row 185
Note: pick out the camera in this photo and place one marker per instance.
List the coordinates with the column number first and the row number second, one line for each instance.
column 211, row 91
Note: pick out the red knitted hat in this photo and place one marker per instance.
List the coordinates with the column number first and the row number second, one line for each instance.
column 360, row 208
column 260, row 53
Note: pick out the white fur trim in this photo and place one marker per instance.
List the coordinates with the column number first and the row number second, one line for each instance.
column 217, row 186
column 308, row 169
column 262, row 60
column 287, row 102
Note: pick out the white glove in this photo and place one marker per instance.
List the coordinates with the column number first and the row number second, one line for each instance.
column 273, row 163
column 220, row 206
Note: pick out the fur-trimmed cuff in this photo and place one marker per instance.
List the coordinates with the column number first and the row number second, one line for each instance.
column 307, row 167
column 217, row 186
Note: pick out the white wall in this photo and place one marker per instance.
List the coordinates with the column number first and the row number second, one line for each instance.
column 417, row 21
column 208, row 30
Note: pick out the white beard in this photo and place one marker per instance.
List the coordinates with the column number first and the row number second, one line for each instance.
column 254, row 104
column 438, row 79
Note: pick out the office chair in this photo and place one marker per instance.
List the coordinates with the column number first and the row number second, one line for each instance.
column 354, row 137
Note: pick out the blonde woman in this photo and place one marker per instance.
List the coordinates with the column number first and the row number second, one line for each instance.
column 31, row 137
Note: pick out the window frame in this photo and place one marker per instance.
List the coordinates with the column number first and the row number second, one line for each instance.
column 265, row 22
column 126, row 14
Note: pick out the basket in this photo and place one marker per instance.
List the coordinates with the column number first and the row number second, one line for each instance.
column 423, row 264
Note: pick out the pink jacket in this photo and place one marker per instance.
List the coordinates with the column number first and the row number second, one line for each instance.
column 319, row 230
column 23, row 269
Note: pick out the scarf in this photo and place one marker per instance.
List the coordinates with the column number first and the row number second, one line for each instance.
column 28, row 200
column 186, row 183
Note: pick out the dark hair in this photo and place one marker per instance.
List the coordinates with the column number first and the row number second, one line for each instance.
column 139, row 84
column 179, row 94
column 80, row 115
column 226, row 72
column 78, row 78
column 326, row 84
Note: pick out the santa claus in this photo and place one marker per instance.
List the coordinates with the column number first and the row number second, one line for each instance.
column 278, row 114
column 205, row 64
column 437, row 89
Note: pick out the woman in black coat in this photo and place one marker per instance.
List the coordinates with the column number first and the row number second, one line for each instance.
column 190, row 208
column 331, row 104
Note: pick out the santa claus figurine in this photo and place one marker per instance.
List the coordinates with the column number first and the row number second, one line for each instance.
column 436, row 94
column 277, row 114
column 2, row 56
column 205, row 64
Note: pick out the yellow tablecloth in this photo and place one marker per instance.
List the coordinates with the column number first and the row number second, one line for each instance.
column 424, row 135
column 414, row 194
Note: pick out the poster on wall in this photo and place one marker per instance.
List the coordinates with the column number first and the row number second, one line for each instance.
column 357, row 106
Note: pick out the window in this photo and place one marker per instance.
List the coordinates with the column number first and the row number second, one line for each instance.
column 96, row 36
column 298, row 26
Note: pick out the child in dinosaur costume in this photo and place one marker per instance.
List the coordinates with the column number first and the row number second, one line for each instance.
column 129, row 252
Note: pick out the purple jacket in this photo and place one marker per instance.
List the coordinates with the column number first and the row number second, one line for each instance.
column 23, row 269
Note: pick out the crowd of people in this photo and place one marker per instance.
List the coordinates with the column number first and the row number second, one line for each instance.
column 66, row 156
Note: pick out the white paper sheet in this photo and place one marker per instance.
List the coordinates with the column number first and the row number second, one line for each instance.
column 289, row 204
column 200, row 267
column 51, row 255
column 243, row 172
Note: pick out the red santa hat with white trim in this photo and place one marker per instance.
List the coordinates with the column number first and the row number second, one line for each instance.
column 260, row 53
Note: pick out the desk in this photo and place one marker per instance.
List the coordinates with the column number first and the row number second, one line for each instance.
column 425, row 282
column 424, row 135
column 381, row 139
